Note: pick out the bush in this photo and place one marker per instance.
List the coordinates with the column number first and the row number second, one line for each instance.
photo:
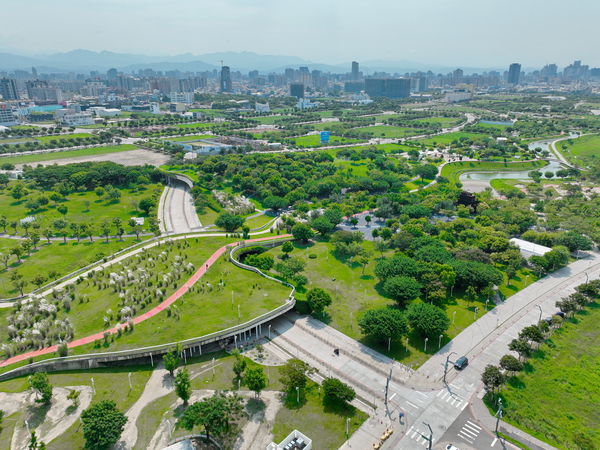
column 337, row 391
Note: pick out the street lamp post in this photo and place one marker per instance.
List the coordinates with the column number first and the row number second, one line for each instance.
column 389, row 344
column 235, row 340
column 239, row 316
column 540, row 313
column 430, row 439
column 347, row 422
column 440, row 341
column 486, row 304
column 406, row 345
column 298, row 394
column 498, row 414
column 446, row 365
column 453, row 317
column 475, row 313
column 269, row 331
column 425, row 349
column 129, row 376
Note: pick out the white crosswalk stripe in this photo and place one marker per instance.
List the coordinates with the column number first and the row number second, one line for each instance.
column 418, row 436
column 469, row 432
column 452, row 398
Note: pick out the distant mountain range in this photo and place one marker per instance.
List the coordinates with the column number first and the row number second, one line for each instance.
column 86, row 60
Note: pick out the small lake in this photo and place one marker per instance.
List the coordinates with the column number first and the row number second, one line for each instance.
column 492, row 122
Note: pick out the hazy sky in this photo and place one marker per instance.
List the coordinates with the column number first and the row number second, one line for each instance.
column 448, row 32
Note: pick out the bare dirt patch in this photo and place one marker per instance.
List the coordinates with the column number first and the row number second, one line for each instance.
column 128, row 158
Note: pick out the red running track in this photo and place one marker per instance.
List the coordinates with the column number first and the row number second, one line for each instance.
column 147, row 315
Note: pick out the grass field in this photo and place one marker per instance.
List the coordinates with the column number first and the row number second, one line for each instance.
column 110, row 384
column 83, row 207
column 54, row 257
column 314, row 140
column 583, row 151
column 444, row 122
column 190, row 138
column 50, row 156
column 354, row 293
column 61, row 137
column 253, row 293
column 388, row 131
column 324, row 424
column 201, row 126
column 452, row 171
column 449, row 138
column 556, row 398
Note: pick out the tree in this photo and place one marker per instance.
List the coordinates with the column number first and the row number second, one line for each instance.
column 102, row 425
column 3, row 223
column 402, row 289
column 318, row 299
column 294, row 374
column 5, row 257
column 322, row 225
column 146, row 204
column 74, row 397
column 34, row 444
column 47, row 233
column 217, row 414
column 521, row 347
column 171, row 360
column 183, row 386
column 380, row 246
column 105, row 229
column 39, row 383
column 275, row 202
column 118, row 224
column 229, row 222
column 34, row 237
column 63, row 210
column 510, row 363
column 60, row 225
column 290, row 267
column 353, row 221
column 384, row 323
column 532, row 333
column 426, row 171
column 337, row 391
column 302, row 232
column 427, row 319
column 255, row 379
column 492, row 378
column 287, row 248
column 239, row 365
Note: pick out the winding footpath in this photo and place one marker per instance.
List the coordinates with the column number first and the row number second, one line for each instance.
column 145, row 316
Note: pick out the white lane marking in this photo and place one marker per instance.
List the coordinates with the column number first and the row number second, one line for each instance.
column 464, row 406
column 474, row 424
column 494, row 442
column 412, row 404
column 456, row 402
column 422, row 395
column 440, row 393
column 444, row 396
column 393, row 395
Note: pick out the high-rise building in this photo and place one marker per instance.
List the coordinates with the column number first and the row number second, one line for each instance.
column 226, row 79
column 297, row 90
column 34, row 72
column 354, row 71
column 8, row 89
column 41, row 91
column 514, row 73
column 388, row 87
column 7, row 117
column 111, row 74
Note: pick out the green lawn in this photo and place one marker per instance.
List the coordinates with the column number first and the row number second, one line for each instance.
column 54, row 257
column 354, row 293
column 444, row 122
column 110, row 384
column 448, row 138
column 314, row 140
column 583, row 151
column 556, row 398
column 324, row 424
column 452, row 171
column 213, row 305
column 358, row 168
column 50, row 156
column 61, row 137
column 82, row 207
column 202, row 125
column 190, row 138
column 388, row 131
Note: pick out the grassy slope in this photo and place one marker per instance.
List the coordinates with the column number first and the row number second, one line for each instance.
column 452, row 171
column 583, row 151
column 557, row 396
column 56, row 256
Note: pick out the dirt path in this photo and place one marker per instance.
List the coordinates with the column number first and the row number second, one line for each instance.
column 159, row 385
column 257, row 432
column 48, row 422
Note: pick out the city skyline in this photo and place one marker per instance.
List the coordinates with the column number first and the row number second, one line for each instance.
column 385, row 31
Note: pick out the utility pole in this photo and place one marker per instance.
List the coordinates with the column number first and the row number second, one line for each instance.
column 540, row 313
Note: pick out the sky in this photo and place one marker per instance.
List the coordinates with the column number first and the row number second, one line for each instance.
column 471, row 33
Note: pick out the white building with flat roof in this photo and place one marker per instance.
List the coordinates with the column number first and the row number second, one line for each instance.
column 529, row 249
column 294, row 441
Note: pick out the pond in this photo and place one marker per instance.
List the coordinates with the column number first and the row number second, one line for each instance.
column 553, row 166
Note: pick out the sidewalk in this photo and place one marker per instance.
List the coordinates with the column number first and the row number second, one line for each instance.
column 483, row 416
